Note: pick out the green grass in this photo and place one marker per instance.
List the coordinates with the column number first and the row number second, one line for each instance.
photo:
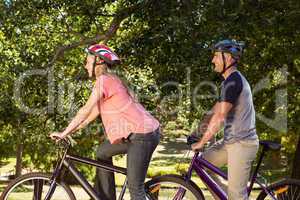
column 7, row 166
column 2, row 186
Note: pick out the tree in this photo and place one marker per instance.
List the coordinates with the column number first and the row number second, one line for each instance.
column 31, row 33
column 159, row 42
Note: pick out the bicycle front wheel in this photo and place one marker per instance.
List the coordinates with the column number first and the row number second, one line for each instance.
column 287, row 189
column 34, row 186
column 173, row 187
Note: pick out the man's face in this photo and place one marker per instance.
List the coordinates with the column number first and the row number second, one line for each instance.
column 219, row 62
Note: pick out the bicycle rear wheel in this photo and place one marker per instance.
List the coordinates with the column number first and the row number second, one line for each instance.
column 34, row 186
column 173, row 187
column 287, row 189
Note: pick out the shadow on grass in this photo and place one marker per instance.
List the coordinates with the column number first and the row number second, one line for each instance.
column 2, row 163
column 2, row 187
column 163, row 160
column 173, row 146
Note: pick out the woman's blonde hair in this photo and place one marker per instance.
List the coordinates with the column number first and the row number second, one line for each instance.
column 104, row 69
column 116, row 74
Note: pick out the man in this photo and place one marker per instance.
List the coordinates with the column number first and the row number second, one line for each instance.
column 235, row 110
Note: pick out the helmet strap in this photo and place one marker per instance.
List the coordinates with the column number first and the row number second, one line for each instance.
column 94, row 67
column 224, row 64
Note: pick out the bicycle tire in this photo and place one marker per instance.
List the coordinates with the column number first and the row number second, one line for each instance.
column 189, row 190
column 30, row 177
column 289, row 188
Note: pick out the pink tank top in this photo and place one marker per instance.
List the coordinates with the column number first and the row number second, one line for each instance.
column 121, row 114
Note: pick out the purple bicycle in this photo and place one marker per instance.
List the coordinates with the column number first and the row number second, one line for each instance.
column 177, row 187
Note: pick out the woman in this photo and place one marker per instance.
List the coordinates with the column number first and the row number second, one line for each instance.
column 128, row 126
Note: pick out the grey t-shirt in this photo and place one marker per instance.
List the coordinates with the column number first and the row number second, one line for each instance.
column 240, row 121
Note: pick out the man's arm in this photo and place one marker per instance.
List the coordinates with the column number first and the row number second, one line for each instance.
column 230, row 92
column 203, row 124
column 217, row 120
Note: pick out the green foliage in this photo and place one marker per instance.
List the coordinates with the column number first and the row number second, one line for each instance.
column 163, row 45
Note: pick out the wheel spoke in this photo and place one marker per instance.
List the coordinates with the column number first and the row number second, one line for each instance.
column 298, row 194
column 288, row 189
column 291, row 192
column 180, row 194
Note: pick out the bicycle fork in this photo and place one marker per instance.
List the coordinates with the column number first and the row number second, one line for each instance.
column 181, row 191
column 54, row 177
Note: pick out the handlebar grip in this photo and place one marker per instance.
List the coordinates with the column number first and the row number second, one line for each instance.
column 191, row 139
column 62, row 141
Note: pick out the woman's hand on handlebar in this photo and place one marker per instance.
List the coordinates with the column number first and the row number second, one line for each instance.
column 56, row 136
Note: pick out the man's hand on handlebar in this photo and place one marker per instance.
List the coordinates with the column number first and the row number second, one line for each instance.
column 194, row 142
column 197, row 146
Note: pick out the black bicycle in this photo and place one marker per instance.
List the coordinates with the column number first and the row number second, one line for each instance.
column 44, row 186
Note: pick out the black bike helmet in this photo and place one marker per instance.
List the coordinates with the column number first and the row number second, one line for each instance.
column 233, row 47
column 229, row 46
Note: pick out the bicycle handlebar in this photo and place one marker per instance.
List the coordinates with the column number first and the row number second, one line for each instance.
column 66, row 142
column 191, row 139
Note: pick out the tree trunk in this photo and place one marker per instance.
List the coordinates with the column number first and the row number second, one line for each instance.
column 296, row 165
column 20, row 149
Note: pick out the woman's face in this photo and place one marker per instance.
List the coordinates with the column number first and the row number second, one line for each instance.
column 89, row 64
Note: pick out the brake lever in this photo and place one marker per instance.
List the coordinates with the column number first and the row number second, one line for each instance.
column 65, row 142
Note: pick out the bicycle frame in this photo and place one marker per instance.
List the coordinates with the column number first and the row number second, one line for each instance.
column 66, row 162
column 198, row 164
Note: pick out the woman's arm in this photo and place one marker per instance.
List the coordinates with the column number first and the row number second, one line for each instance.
column 93, row 115
column 83, row 113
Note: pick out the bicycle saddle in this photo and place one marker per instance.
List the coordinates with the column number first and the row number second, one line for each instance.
column 270, row 145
